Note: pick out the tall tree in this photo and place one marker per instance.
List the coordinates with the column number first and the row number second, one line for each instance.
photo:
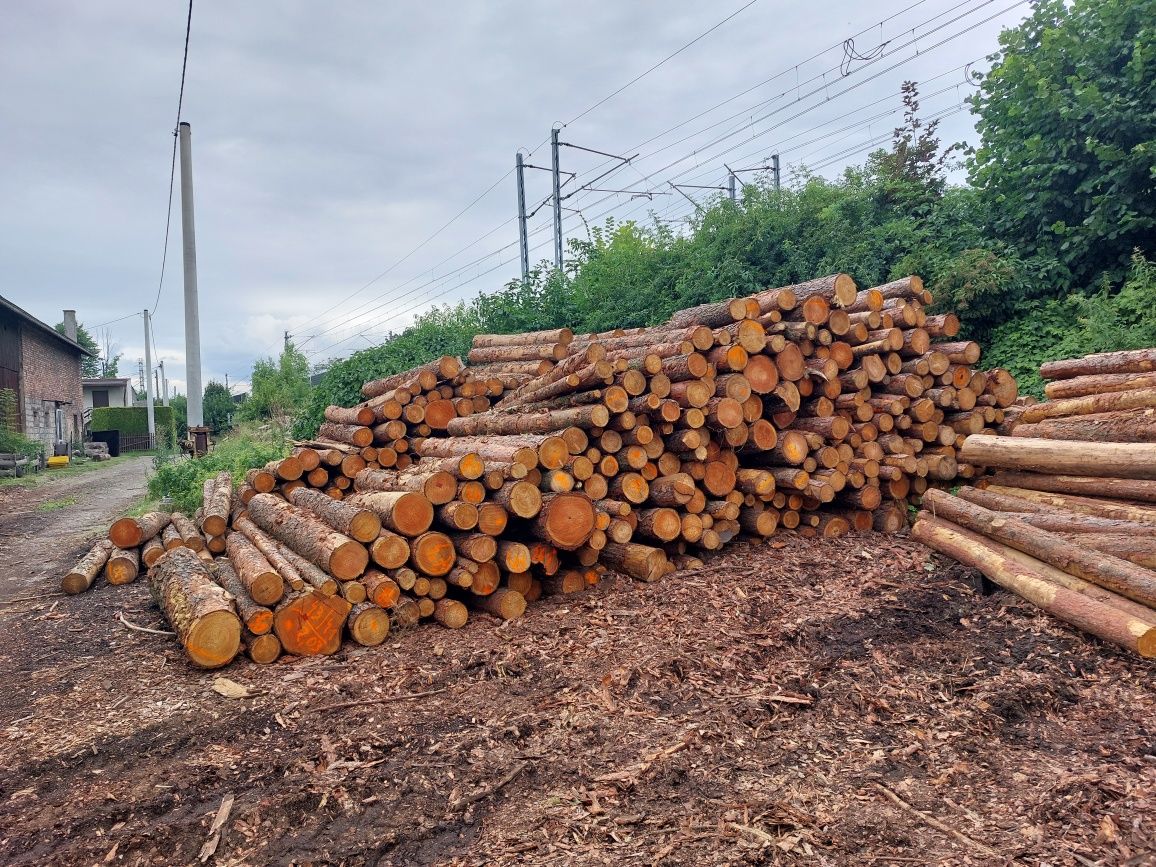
column 279, row 388
column 217, row 405
column 1067, row 118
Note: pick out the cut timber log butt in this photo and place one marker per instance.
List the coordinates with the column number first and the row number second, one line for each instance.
column 310, row 624
column 1033, row 584
column 128, row 533
column 200, row 611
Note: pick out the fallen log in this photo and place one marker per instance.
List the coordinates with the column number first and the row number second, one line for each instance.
column 337, row 554
column 258, row 619
column 1082, row 505
column 1141, row 398
column 1122, row 426
column 128, row 533
column 1108, row 460
column 345, row 517
column 200, row 611
column 1128, row 361
column 261, row 581
column 1084, row 612
column 122, row 566
column 1088, row 486
column 80, row 577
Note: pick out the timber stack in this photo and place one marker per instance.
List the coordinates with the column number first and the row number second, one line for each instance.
column 550, row 458
column 1067, row 519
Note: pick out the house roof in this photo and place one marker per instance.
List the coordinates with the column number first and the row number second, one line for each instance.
column 98, row 382
column 27, row 317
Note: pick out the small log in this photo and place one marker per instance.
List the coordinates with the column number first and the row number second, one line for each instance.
column 433, row 554
column 263, row 649
column 122, row 567
column 190, row 535
column 1107, row 460
column 257, row 618
column 565, row 520
column 1102, row 383
column 368, row 624
column 380, row 589
column 218, row 495
column 638, row 561
column 451, row 613
column 200, row 611
column 1121, row 426
column 81, row 576
column 1087, row 486
column 128, row 533
column 1127, row 361
column 345, row 517
column 152, row 551
column 262, row 582
column 337, row 554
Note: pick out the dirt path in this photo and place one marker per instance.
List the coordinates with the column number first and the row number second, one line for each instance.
column 33, row 539
column 807, row 702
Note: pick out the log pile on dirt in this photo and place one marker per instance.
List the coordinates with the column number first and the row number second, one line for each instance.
column 1068, row 518
column 551, row 458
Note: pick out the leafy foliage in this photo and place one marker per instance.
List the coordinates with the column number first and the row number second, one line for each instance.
column 183, row 479
column 217, row 406
column 1067, row 116
column 179, row 405
column 90, row 366
column 131, row 420
column 11, row 440
column 279, row 388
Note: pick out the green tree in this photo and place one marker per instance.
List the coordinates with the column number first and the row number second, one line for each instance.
column 180, row 407
column 278, row 388
column 217, row 406
column 1067, row 119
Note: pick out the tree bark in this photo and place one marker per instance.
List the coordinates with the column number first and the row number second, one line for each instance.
column 355, row 435
column 1141, row 398
column 343, row 516
column 1116, row 460
column 1083, row 505
column 200, row 612
column 446, row 367
column 218, row 498
column 638, row 561
column 337, row 554
column 531, row 422
column 529, row 338
column 406, row 512
column 1102, row 383
column 190, row 535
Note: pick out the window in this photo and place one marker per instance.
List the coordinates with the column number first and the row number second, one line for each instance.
column 99, row 397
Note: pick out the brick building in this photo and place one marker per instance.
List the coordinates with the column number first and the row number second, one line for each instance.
column 43, row 367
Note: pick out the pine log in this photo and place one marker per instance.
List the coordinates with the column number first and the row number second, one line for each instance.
column 1112, row 509
column 1102, row 383
column 505, row 603
column 519, row 498
column 260, row 480
column 381, row 589
column 451, row 613
column 638, row 561
column 437, row 486
column 82, row 575
column 1114, row 460
column 171, row 538
column 345, row 517
column 476, row 546
column 368, row 624
column 1112, row 573
column 128, row 533
column 1141, row 398
column 532, row 422
column 1140, row 550
column 285, row 566
column 337, row 554
column 714, row 314
column 257, row 618
column 200, row 612
column 1087, row 486
column 218, row 496
column 263, row 649
column 122, row 566
column 530, row 338
column 446, row 367
column 151, row 551
column 310, row 624
column 1037, row 586
column 360, row 415
column 406, row 512
column 432, row 553
column 262, row 582
column 1120, row 426
column 1127, row 361
column 565, row 520
column 190, row 535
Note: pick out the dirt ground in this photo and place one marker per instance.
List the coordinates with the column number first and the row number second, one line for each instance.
column 847, row 702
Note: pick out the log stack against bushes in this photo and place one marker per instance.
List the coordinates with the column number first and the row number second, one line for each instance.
column 549, row 458
column 1068, row 517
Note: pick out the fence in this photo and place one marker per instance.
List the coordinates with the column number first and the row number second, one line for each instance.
column 135, row 443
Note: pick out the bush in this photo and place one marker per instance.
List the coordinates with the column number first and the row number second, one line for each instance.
column 183, row 480
column 131, row 421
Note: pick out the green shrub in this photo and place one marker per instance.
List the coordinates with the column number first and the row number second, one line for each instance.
column 11, row 440
column 131, row 420
column 183, row 479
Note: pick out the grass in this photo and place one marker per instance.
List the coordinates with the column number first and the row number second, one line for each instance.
column 32, row 480
column 53, row 505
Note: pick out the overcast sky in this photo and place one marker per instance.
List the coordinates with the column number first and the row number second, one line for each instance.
column 331, row 140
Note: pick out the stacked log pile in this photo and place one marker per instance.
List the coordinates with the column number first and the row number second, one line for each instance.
column 550, row 458
column 1068, row 518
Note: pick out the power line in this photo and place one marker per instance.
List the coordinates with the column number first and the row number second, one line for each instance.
column 664, row 60
column 173, row 162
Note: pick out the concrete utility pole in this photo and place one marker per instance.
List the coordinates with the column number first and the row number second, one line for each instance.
column 775, row 169
column 164, row 384
column 556, row 171
column 148, row 366
column 192, row 306
column 731, row 186
column 286, row 346
column 523, row 240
